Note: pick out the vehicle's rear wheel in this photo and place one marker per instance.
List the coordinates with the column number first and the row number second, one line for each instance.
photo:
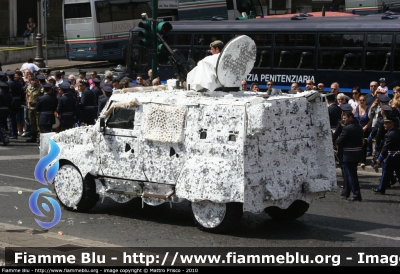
column 74, row 192
column 393, row 179
column 294, row 211
column 216, row 217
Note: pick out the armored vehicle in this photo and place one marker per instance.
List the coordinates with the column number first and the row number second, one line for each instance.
column 224, row 152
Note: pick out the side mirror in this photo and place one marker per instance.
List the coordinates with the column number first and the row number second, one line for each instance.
column 102, row 124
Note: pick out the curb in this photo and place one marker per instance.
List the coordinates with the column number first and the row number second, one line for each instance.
column 361, row 171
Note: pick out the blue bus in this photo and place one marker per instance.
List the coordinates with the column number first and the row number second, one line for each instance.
column 352, row 51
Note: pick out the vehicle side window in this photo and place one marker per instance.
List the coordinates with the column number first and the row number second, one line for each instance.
column 122, row 118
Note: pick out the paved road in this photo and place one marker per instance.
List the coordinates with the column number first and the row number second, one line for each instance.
column 330, row 222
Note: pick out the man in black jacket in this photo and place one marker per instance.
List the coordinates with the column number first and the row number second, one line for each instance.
column 389, row 156
column 350, row 142
column 103, row 99
column 96, row 88
column 4, row 106
column 16, row 94
column 46, row 106
column 335, row 112
column 66, row 108
column 89, row 105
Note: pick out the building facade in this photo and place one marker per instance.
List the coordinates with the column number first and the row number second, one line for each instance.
column 15, row 14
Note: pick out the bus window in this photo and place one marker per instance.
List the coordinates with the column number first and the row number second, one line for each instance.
column 352, row 40
column 341, row 40
column 379, row 40
column 376, row 57
column 77, row 11
column 108, row 11
column 202, row 41
column 263, row 43
column 294, row 50
column 178, row 39
column 397, row 60
column 206, row 39
column 261, row 40
column 285, row 40
column 397, row 53
column 329, row 40
column 335, row 52
column 264, row 59
column 181, row 42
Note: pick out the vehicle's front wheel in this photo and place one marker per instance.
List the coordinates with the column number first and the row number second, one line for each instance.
column 294, row 211
column 74, row 192
column 216, row 217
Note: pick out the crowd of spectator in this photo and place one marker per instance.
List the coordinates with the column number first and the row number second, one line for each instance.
column 34, row 101
column 369, row 126
column 364, row 125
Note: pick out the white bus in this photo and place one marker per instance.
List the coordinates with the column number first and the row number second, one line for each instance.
column 99, row 30
column 364, row 7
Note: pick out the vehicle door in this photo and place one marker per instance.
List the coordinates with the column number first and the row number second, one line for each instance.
column 119, row 145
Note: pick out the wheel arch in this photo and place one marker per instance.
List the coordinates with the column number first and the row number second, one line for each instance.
column 84, row 173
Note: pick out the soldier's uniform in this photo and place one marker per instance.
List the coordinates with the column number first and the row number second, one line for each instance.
column 32, row 96
column 380, row 133
column 6, row 89
column 89, row 106
column 389, row 156
column 4, row 106
column 96, row 89
column 350, row 142
column 16, row 91
column 66, row 108
column 45, row 107
column 335, row 112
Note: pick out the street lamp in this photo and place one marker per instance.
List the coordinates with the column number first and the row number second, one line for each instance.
column 39, row 49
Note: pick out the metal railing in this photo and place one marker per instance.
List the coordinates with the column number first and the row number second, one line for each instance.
column 7, row 41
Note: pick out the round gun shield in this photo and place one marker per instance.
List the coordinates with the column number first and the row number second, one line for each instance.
column 236, row 61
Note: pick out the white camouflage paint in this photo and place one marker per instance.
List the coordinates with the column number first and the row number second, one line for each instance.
column 257, row 151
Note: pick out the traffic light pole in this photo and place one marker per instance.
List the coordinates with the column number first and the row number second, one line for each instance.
column 154, row 38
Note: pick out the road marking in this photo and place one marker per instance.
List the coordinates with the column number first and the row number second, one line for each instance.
column 20, row 157
column 18, row 177
column 11, row 189
column 358, row 232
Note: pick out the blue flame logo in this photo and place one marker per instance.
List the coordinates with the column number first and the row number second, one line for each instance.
column 45, row 172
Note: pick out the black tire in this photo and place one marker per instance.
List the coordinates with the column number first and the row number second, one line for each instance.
column 233, row 214
column 294, row 211
column 89, row 195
